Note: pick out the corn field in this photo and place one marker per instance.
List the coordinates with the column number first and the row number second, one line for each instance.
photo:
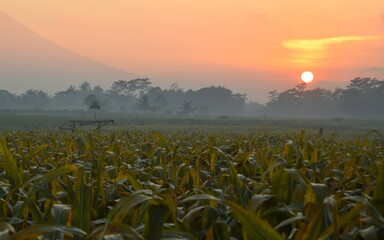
column 174, row 185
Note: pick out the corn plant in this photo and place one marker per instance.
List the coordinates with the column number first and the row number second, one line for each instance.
column 152, row 185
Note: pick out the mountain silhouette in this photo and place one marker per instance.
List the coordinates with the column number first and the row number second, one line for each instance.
column 29, row 61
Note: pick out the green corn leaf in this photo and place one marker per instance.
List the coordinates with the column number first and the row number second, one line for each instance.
column 313, row 229
column 4, row 234
column 40, row 229
column 240, row 195
column 378, row 194
column 156, row 215
column 200, row 197
column 82, row 205
column 370, row 233
column 281, row 185
column 125, row 204
column 374, row 212
column 136, row 184
column 11, row 169
column 37, row 215
column 37, row 150
column 180, row 235
column 343, row 220
column 257, row 200
column 58, row 172
column 291, row 220
column 254, row 226
column 5, row 229
column 220, row 231
column 115, row 228
column 297, row 176
column 122, row 208
column 160, row 138
column 59, row 216
column 374, row 132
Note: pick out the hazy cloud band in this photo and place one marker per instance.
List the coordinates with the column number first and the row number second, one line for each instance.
column 308, row 51
column 322, row 43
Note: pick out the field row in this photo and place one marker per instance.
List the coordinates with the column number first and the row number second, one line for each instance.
column 151, row 185
column 25, row 120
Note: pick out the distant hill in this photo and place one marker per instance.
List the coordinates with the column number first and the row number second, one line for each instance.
column 28, row 60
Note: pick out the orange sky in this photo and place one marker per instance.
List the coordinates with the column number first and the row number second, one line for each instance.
column 203, row 42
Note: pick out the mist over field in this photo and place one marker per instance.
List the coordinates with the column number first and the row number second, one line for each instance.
column 362, row 98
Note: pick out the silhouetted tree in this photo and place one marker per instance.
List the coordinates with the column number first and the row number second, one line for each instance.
column 219, row 100
column 363, row 97
column 273, row 95
column 143, row 104
column 94, row 105
column 135, row 87
column 85, row 87
column 297, row 101
column 159, row 103
column 186, row 108
column 120, row 87
column 90, row 99
column 34, row 99
column 71, row 90
column 175, row 87
column 98, row 90
column 7, row 99
column 364, row 84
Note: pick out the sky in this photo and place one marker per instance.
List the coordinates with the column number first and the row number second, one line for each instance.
column 248, row 46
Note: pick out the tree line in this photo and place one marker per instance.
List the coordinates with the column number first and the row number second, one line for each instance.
column 363, row 97
column 132, row 96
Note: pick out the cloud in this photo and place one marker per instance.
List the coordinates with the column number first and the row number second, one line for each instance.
column 323, row 43
column 307, row 51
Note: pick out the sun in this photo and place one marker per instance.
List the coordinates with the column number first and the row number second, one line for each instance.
column 307, row 77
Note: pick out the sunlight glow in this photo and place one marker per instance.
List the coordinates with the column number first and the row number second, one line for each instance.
column 307, row 77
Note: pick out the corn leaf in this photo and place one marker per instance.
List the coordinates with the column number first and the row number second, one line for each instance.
column 11, row 169
column 154, row 223
column 82, row 205
column 254, row 226
column 38, row 230
column 115, row 228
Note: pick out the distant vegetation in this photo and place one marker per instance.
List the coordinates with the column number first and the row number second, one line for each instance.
column 363, row 97
column 134, row 96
